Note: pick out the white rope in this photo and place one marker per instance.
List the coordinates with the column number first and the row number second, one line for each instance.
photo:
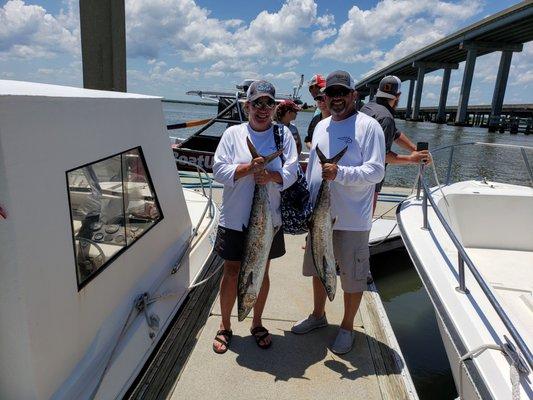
column 514, row 366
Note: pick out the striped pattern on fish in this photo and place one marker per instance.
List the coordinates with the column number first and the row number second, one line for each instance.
column 258, row 240
column 321, row 231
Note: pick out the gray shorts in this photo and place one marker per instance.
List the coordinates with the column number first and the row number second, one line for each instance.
column 353, row 258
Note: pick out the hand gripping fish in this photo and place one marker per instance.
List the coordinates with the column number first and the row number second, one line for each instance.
column 321, row 231
column 258, row 239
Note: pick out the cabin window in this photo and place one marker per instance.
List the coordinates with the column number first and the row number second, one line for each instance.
column 112, row 204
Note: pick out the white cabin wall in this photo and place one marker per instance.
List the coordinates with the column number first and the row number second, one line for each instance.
column 14, row 341
column 88, row 130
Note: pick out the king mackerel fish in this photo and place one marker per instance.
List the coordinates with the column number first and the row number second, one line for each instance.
column 258, row 239
column 321, row 231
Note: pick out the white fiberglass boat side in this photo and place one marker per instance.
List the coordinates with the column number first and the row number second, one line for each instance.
column 489, row 318
column 99, row 245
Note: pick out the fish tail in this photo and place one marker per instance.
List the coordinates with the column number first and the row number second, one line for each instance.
column 255, row 153
column 252, row 148
column 333, row 160
column 272, row 156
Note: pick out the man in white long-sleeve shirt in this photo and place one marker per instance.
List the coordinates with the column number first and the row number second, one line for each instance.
column 239, row 173
column 352, row 188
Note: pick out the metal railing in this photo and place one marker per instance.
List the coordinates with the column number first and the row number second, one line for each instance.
column 209, row 206
column 463, row 257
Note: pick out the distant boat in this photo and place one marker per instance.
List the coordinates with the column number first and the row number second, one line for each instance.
column 199, row 148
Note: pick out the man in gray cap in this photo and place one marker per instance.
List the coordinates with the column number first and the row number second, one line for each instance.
column 352, row 181
column 382, row 109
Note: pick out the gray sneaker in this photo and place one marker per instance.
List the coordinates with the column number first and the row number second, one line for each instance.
column 343, row 342
column 308, row 324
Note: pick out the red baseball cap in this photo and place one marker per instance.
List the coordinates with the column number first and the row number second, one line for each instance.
column 317, row 80
column 290, row 105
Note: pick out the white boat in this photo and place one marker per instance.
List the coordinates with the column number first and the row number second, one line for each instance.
column 472, row 245
column 99, row 244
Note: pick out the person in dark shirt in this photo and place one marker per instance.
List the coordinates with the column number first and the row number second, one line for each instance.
column 382, row 109
column 324, row 113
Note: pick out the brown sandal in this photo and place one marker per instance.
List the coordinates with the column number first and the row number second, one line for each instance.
column 227, row 335
column 260, row 333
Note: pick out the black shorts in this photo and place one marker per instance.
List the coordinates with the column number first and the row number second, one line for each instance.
column 229, row 244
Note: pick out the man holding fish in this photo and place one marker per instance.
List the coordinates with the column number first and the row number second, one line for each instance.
column 346, row 161
column 249, row 233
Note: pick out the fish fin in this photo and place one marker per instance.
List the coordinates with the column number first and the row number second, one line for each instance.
column 336, row 158
column 252, row 148
column 272, row 156
column 323, row 159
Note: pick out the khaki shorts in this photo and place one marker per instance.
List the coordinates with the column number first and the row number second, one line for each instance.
column 353, row 258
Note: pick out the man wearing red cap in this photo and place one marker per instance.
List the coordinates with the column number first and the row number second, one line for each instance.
column 316, row 84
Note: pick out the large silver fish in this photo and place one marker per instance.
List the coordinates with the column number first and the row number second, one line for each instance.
column 321, row 231
column 258, row 239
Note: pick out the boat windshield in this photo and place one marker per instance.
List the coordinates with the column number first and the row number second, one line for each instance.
column 112, row 203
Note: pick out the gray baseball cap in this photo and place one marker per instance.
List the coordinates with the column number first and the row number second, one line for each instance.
column 340, row 78
column 389, row 87
column 259, row 89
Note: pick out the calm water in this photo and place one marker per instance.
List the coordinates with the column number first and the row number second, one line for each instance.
column 471, row 162
column 404, row 297
column 413, row 320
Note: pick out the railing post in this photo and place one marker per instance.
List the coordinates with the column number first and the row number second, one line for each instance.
column 528, row 167
column 419, row 184
column 462, row 286
column 449, row 171
column 425, row 210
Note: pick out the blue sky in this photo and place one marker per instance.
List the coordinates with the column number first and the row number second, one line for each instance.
column 179, row 45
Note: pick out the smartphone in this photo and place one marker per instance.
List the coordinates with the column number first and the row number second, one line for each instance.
column 422, row 146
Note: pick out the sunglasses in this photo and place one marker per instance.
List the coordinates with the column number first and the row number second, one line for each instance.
column 265, row 104
column 320, row 98
column 340, row 92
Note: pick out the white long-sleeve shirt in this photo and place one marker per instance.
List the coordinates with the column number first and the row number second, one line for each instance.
column 238, row 194
column 361, row 167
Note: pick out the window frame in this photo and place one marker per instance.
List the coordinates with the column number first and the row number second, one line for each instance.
column 127, row 246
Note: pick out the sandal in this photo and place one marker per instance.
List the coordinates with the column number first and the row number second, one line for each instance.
column 227, row 335
column 260, row 333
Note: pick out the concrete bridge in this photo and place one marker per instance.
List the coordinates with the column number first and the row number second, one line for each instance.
column 505, row 32
column 514, row 117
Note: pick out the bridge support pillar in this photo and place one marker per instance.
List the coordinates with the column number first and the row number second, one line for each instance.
column 409, row 107
column 418, row 93
column 441, row 113
column 501, row 83
column 103, row 44
column 470, row 63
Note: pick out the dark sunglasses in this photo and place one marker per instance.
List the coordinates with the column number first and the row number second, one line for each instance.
column 340, row 92
column 268, row 104
column 320, row 98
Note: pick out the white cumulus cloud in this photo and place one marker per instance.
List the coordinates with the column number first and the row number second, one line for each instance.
column 29, row 31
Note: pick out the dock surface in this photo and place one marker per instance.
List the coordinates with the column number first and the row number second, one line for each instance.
column 297, row 366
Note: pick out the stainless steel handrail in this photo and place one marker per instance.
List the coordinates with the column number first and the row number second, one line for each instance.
column 209, row 205
column 464, row 259
column 514, row 146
